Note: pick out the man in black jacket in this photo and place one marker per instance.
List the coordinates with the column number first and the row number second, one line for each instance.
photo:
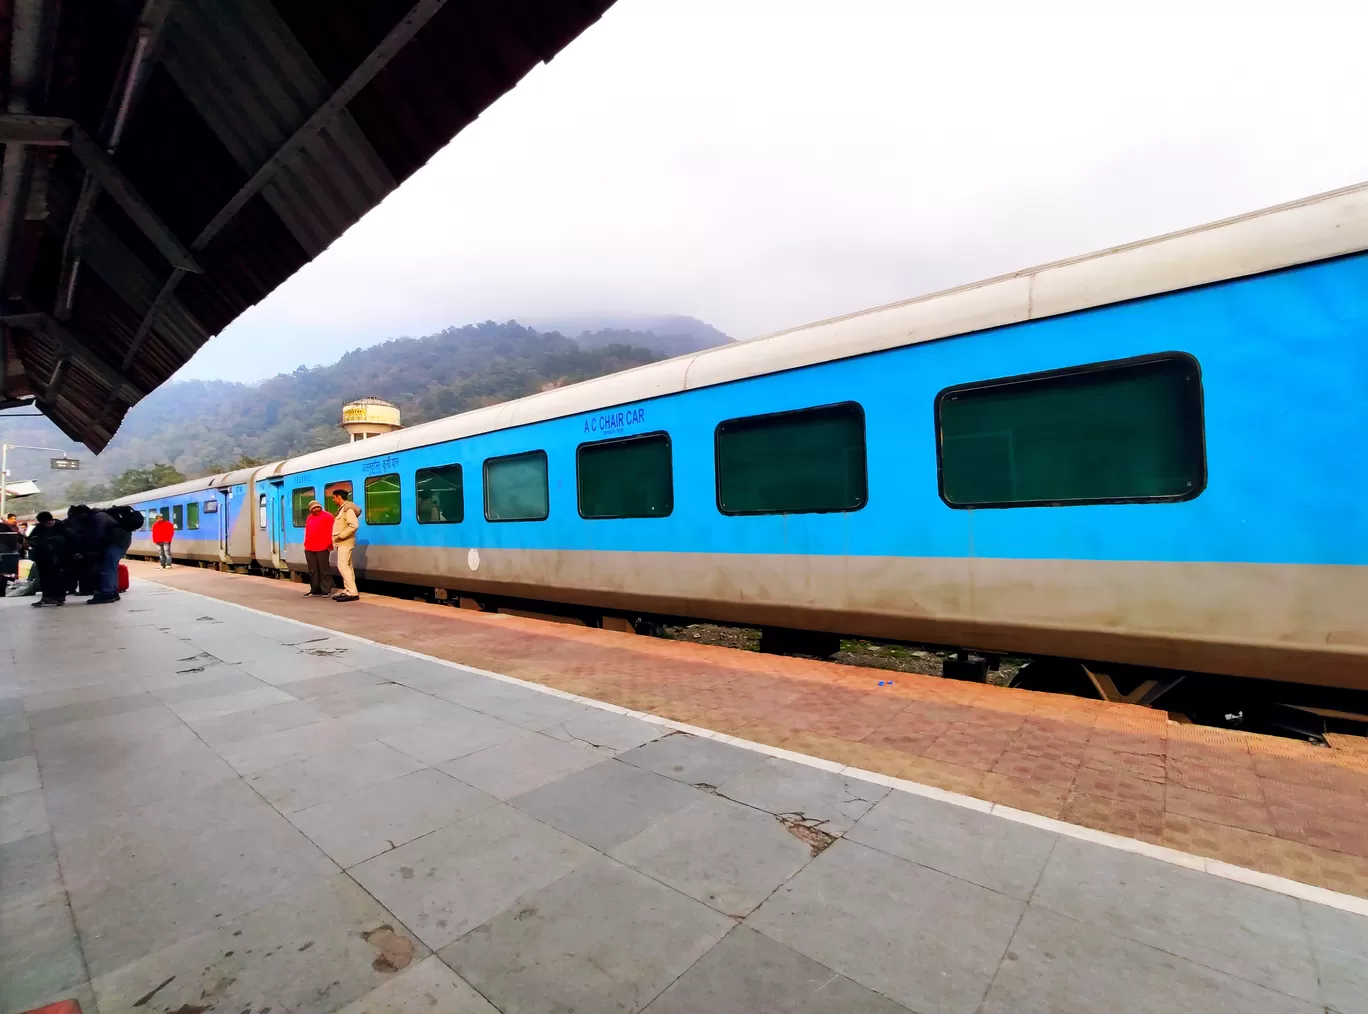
column 108, row 541
column 48, row 547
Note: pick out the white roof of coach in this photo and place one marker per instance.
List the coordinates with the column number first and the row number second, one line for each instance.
column 1311, row 229
column 196, row 485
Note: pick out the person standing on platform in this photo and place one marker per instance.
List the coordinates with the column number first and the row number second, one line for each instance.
column 163, row 531
column 108, row 541
column 48, row 542
column 345, row 525
column 318, row 543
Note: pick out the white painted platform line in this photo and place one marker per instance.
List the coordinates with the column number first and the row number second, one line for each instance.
column 1214, row 867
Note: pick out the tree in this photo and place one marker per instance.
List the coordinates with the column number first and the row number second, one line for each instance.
column 133, row 480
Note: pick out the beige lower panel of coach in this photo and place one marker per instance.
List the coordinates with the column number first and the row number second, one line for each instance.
column 1291, row 622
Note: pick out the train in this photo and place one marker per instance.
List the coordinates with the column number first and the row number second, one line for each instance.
column 1145, row 458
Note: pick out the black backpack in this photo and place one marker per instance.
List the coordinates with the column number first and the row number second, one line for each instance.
column 127, row 518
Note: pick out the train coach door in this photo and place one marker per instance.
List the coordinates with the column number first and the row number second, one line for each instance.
column 221, row 498
column 278, row 525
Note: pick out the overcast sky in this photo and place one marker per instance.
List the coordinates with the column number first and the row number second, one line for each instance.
column 764, row 163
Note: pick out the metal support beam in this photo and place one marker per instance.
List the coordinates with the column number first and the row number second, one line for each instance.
column 145, row 47
column 390, row 46
column 19, row 130
column 72, row 348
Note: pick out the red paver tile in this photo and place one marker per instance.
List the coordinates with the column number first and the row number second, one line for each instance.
column 1217, row 809
column 969, row 746
column 1119, row 785
column 1225, row 781
column 1138, row 765
column 1117, row 816
column 1044, row 798
column 1035, row 768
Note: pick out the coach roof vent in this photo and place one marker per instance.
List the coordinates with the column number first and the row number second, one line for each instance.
column 370, row 417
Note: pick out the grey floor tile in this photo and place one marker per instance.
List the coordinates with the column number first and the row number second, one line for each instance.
column 97, row 692
column 242, row 725
column 174, row 871
column 1340, row 943
column 12, row 725
column 305, row 951
column 313, row 780
column 283, row 667
column 40, row 956
column 452, row 737
column 608, row 803
column 429, row 677
column 525, row 762
column 1245, row 931
column 396, row 718
column 16, row 744
column 19, row 775
column 1001, row 855
column 522, row 706
column 21, row 815
column 693, row 759
column 927, row 940
column 605, row 730
column 92, row 709
column 227, row 681
column 130, row 785
column 835, row 801
column 250, row 756
column 728, row 856
column 28, row 871
column 428, row 985
column 448, row 882
column 748, row 973
column 323, row 685
column 603, row 938
column 373, row 820
column 341, row 703
column 227, row 704
column 1057, row 965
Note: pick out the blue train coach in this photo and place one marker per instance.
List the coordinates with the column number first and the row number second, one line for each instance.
column 1145, row 456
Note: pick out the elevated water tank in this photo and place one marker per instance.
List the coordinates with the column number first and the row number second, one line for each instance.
column 369, row 417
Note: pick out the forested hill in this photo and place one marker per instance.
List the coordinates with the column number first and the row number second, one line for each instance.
column 199, row 427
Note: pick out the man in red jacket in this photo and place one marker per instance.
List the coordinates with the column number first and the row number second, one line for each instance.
column 163, row 531
column 318, row 543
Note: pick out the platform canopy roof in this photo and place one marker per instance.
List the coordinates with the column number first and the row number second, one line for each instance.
column 168, row 163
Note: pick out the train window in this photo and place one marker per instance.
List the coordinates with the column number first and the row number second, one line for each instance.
column 441, row 497
column 261, row 511
column 178, row 516
column 165, row 512
column 515, row 488
column 344, row 485
column 192, row 516
column 1119, row 432
column 383, row 500
column 628, row 478
column 804, row 462
column 299, row 505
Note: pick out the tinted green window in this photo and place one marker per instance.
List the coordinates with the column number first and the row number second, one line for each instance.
column 383, row 505
column 1130, row 431
column 793, row 463
column 178, row 516
column 192, row 516
column 441, row 495
column 299, row 504
column 515, row 487
column 626, row 478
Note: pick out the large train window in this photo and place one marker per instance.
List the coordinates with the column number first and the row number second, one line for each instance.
column 441, row 495
column 178, row 516
column 261, row 511
column 515, row 488
column 383, row 506
column 192, row 516
column 627, row 478
column 804, row 462
column 1129, row 431
column 344, row 485
column 300, row 499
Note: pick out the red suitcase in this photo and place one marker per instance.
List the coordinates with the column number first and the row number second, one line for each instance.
column 123, row 579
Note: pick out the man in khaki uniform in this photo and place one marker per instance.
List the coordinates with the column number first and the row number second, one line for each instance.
column 344, row 538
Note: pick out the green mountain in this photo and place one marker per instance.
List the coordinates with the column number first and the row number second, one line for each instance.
column 198, row 427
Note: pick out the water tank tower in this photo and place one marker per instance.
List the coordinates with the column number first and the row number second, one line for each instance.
column 369, row 417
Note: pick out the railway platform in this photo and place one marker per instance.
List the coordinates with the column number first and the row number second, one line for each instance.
column 218, row 796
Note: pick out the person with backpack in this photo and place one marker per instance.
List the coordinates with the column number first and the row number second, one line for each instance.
column 163, row 531
column 111, row 533
column 50, row 551
column 345, row 525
